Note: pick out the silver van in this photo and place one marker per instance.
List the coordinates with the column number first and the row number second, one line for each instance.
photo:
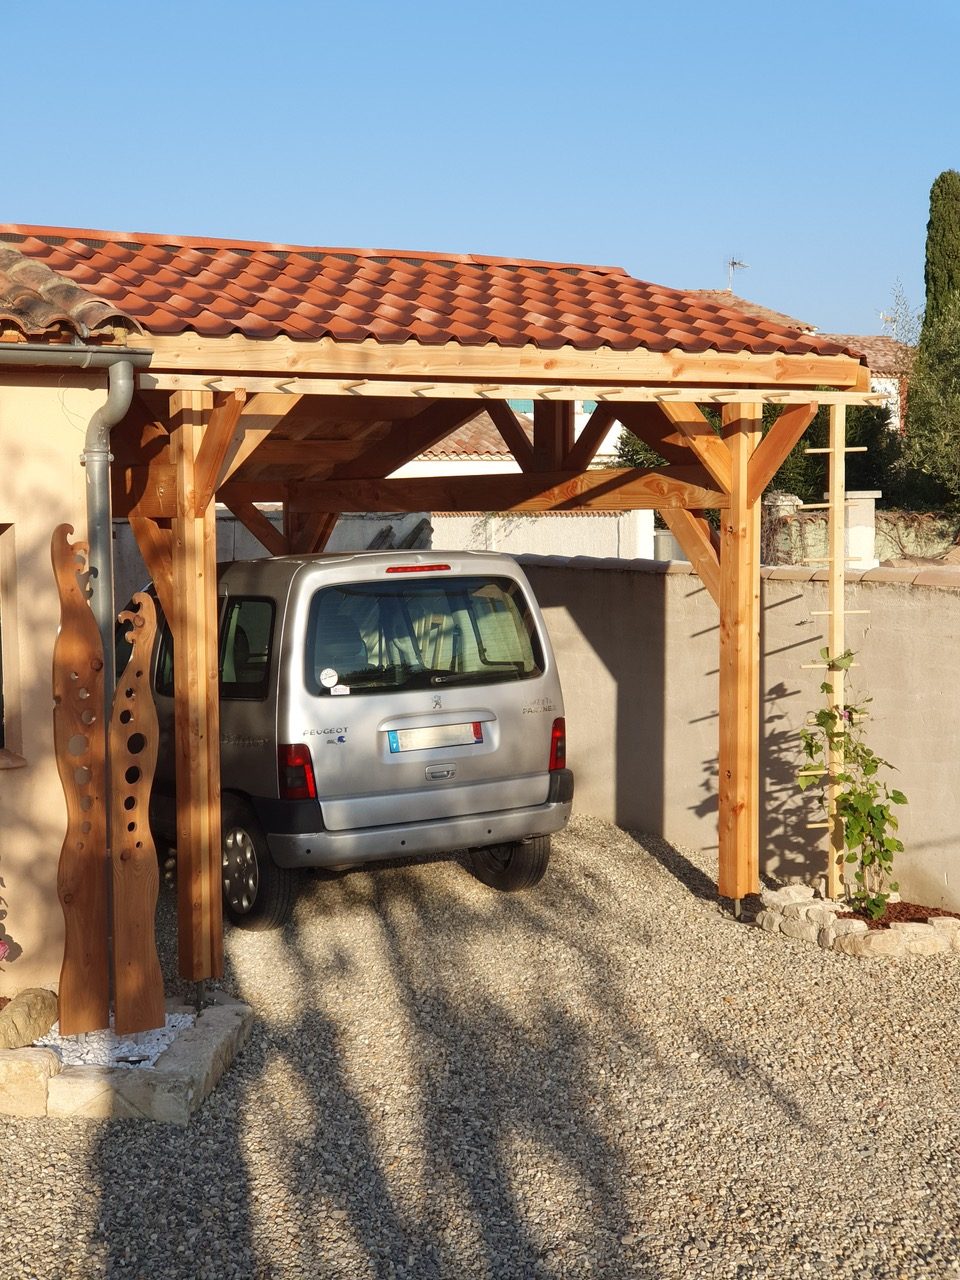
column 375, row 706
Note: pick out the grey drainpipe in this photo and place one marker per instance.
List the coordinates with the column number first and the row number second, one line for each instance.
column 96, row 457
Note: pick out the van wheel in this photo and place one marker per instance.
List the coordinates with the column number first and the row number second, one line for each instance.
column 509, row 867
column 257, row 894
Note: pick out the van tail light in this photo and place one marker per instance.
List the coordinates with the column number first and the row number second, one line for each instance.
column 297, row 779
column 416, row 568
column 558, row 745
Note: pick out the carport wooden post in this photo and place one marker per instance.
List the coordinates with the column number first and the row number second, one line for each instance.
column 196, row 696
column 739, row 748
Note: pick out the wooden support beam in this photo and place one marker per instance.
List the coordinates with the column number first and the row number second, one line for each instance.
column 648, row 424
column 196, row 702
column 739, row 754
column 590, row 439
column 513, row 434
column 697, row 546
column 601, row 490
column 217, row 439
column 315, row 533
column 428, row 364
column 836, row 630
column 775, row 445
column 702, row 439
column 156, row 547
column 408, row 438
column 552, row 433
column 259, row 417
column 255, row 522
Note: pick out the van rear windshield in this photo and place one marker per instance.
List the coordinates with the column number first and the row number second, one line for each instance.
column 368, row 637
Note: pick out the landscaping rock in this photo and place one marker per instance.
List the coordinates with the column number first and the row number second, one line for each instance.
column 24, row 1078
column 783, row 897
column 848, row 926
column 769, row 920
column 28, row 1016
column 802, row 929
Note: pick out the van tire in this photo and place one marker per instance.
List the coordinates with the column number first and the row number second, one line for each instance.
column 511, row 867
column 257, row 894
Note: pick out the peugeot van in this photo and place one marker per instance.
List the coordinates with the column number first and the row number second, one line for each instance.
column 377, row 706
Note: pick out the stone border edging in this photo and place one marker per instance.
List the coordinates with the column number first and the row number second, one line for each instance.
column 33, row 1081
column 796, row 913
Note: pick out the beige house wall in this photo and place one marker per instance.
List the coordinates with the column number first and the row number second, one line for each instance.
column 637, row 649
column 42, row 429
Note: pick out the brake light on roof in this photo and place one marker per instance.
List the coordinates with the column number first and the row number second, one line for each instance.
column 297, row 779
column 558, row 744
column 417, row 568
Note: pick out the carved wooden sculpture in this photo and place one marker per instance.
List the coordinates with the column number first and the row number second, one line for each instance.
column 79, row 743
column 138, row 996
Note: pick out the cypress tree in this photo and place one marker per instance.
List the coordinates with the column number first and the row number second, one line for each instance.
column 942, row 269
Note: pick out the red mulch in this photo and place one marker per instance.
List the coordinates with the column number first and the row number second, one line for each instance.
column 906, row 911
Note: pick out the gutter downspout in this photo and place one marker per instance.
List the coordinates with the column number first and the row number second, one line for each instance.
column 96, row 458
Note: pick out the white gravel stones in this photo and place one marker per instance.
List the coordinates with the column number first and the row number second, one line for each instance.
column 605, row 1078
column 105, row 1049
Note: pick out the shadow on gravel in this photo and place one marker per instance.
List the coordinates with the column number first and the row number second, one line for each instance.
column 493, row 1152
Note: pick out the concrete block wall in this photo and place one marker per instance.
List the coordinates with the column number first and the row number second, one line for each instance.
column 637, row 647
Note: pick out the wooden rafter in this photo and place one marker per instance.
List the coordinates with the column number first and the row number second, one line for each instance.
column 511, row 432
column 775, row 445
column 591, row 438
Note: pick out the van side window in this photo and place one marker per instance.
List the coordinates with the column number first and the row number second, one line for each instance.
column 246, row 641
column 366, row 637
column 246, row 635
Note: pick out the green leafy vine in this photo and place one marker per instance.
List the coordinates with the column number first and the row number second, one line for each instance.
column 864, row 800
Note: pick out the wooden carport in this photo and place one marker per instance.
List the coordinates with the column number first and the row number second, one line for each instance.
column 317, row 413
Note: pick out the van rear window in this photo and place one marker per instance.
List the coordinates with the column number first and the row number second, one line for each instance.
column 370, row 637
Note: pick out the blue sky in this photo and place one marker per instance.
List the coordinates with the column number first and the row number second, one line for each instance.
column 664, row 138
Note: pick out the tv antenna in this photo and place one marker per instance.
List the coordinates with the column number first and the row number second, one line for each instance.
column 734, row 264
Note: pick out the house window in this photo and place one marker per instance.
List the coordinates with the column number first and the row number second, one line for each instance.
column 11, row 743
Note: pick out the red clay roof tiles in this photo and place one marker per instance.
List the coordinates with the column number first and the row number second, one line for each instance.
column 170, row 284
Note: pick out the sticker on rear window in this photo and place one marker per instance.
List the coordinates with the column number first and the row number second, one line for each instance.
column 328, row 677
column 339, row 689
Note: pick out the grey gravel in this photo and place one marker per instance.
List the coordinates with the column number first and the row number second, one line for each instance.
column 602, row 1077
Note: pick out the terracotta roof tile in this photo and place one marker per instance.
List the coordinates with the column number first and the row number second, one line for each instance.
column 885, row 355
column 36, row 300
column 168, row 284
column 478, row 438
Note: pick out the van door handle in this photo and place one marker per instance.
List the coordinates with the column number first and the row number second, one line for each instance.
column 441, row 772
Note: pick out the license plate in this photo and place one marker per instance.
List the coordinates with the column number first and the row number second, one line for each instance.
column 435, row 735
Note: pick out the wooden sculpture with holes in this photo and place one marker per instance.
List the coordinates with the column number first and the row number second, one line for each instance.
column 138, row 983
column 82, row 746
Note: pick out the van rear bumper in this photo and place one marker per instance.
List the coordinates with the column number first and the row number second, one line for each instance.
column 377, row 844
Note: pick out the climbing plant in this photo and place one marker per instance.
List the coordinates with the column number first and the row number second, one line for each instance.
column 864, row 799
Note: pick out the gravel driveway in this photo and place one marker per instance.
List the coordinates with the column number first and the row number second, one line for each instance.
column 603, row 1077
